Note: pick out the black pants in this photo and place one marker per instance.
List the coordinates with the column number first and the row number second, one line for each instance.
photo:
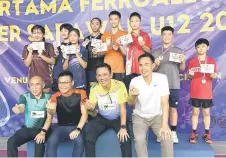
column 118, row 76
column 98, row 126
column 23, row 136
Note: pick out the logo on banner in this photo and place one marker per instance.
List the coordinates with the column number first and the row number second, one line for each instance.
column 4, row 108
column 221, row 121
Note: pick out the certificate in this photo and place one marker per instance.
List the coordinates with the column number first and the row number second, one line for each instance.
column 38, row 45
column 101, row 47
column 175, row 57
column 70, row 49
column 126, row 39
column 207, row 68
column 94, row 42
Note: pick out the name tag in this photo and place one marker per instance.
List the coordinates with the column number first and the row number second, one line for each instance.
column 126, row 39
column 38, row 45
column 56, row 44
column 101, row 47
column 94, row 42
column 207, row 68
column 110, row 106
column 175, row 57
column 37, row 114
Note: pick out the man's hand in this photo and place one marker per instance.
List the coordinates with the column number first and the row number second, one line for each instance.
column 157, row 62
column 40, row 138
column 165, row 133
column 89, row 106
column 17, row 109
column 123, row 135
column 74, row 134
column 133, row 91
column 65, row 56
column 182, row 58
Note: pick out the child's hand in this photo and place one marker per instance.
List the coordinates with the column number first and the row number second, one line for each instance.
column 213, row 75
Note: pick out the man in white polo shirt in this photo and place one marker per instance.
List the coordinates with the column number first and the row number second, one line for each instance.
column 149, row 95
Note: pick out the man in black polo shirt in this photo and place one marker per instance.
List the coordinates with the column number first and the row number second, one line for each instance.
column 71, row 114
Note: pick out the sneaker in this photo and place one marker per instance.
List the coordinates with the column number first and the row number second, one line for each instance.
column 158, row 140
column 174, row 136
column 206, row 137
column 193, row 138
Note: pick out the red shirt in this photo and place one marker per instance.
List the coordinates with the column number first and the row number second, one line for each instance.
column 199, row 90
column 135, row 50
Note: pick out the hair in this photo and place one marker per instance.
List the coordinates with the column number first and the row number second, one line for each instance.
column 66, row 73
column 104, row 65
column 147, row 55
column 75, row 30
column 134, row 14
column 38, row 27
column 96, row 18
column 115, row 13
column 66, row 26
column 202, row 41
column 167, row 28
column 41, row 79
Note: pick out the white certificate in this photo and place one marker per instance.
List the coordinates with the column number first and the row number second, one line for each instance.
column 126, row 39
column 70, row 49
column 94, row 42
column 101, row 47
column 38, row 45
column 37, row 114
column 175, row 57
column 207, row 68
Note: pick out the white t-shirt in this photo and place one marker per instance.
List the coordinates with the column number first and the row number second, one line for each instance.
column 148, row 102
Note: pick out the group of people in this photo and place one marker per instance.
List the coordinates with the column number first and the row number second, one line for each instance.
column 133, row 74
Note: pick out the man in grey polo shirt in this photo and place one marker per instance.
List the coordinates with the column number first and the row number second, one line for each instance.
column 169, row 61
column 149, row 95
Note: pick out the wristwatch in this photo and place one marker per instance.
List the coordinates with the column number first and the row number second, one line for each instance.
column 78, row 129
column 123, row 126
column 43, row 130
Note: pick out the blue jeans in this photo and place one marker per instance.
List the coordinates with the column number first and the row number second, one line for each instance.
column 61, row 134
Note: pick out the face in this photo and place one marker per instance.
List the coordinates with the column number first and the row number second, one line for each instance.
column 103, row 76
column 36, row 85
column 167, row 37
column 202, row 49
column 37, row 35
column 114, row 21
column 65, row 84
column 95, row 25
column 64, row 33
column 73, row 37
column 145, row 66
column 135, row 23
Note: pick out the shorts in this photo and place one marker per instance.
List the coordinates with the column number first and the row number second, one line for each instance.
column 174, row 98
column 197, row 103
column 118, row 76
column 91, row 76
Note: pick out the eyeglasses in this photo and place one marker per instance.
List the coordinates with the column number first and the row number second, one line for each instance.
column 64, row 83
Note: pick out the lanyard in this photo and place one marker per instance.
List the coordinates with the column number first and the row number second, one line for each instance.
column 204, row 74
column 164, row 52
column 90, row 37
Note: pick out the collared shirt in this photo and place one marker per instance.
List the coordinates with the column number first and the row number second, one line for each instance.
column 35, row 109
column 148, row 102
column 109, row 101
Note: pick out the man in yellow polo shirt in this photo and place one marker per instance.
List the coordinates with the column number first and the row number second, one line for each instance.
column 109, row 96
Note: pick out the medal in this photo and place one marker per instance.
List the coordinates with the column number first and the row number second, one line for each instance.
column 140, row 38
column 160, row 57
column 203, row 81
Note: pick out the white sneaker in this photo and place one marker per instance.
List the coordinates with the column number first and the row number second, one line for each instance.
column 157, row 140
column 175, row 138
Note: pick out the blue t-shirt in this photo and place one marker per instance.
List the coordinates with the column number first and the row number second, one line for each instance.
column 79, row 74
column 35, row 110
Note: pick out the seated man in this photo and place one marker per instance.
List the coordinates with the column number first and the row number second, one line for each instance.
column 149, row 95
column 37, row 120
column 72, row 116
column 110, row 97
